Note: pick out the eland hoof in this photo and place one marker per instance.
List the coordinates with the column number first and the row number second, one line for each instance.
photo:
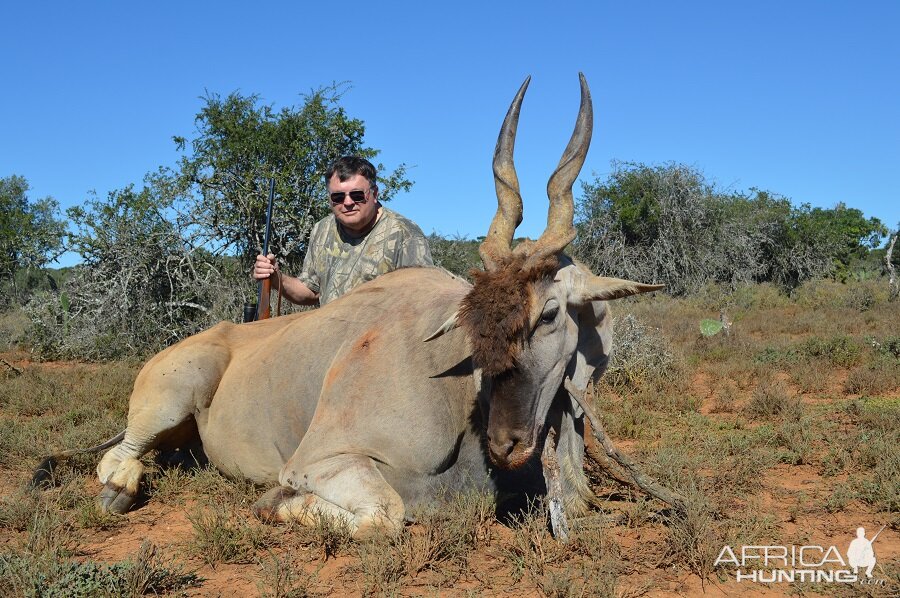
column 115, row 499
column 266, row 508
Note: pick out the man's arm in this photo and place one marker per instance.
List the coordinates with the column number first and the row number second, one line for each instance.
column 292, row 288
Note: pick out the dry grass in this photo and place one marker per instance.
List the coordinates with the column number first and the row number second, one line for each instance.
column 804, row 386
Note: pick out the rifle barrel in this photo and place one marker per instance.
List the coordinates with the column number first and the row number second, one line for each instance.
column 265, row 286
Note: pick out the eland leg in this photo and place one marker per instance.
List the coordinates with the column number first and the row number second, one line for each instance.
column 346, row 486
column 120, row 470
column 168, row 392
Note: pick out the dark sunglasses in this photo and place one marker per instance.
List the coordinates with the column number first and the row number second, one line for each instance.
column 356, row 196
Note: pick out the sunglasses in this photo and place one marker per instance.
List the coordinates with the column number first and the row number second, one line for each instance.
column 356, row 196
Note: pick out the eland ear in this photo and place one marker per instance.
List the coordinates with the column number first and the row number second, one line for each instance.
column 600, row 288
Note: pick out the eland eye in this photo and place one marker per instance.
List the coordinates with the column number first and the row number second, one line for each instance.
column 549, row 316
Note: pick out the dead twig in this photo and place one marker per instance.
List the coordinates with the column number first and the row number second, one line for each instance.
column 641, row 479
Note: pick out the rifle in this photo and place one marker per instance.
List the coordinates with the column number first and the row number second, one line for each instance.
column 261, row 310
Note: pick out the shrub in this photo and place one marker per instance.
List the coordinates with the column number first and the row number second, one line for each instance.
column 532, row 550
column 725, row 398
column 219, row 537
column 811, row 376
column 14, row 325
column 759, row 296
column 771, row 398
column 882, row 375
column 840, row 350
column 691, row 538
column 280, row 579
column 641, row 356
column 455, row 254
column 887, row 347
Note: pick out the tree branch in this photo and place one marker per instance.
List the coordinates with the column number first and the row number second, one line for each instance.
column 643, row 481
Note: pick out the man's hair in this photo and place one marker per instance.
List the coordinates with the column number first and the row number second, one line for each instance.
column 348, row 166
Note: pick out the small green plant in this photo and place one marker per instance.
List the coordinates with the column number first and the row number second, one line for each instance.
column 173, row 485
column 329, row 533
column 89, row 516
column 599, row 574
column 836, row 460
column 775, row 356
column 810, row 376
column 725, row 399
column 17, row 511
column 796, row 437
column 440, row 541
column 879, row 484
column 50, row 532
column 381, row 570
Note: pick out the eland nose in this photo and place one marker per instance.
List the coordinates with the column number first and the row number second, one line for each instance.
column 502, row 446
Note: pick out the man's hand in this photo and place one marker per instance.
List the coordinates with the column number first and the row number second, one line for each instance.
column 264, row 266
column 291, row 288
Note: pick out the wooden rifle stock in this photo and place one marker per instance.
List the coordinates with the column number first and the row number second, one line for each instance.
column 263, row 310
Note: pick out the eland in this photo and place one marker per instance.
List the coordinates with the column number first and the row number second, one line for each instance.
column 413, row 384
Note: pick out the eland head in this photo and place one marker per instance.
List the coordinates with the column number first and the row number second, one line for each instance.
column 523, row 315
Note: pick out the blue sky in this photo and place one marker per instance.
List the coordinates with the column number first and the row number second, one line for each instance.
column 799, row 98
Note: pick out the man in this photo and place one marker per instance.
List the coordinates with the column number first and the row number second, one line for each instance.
column 359, row 240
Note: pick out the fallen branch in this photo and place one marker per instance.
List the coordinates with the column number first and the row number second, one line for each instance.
column 554, row 489
column 643, row 481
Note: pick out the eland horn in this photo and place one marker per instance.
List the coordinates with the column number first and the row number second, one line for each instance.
column 560, row 218
column 497, row 244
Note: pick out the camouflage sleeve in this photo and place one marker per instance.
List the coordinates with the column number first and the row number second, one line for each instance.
column 414, row 249
column 309, row 275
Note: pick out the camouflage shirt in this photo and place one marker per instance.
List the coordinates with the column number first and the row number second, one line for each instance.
column 336, row 263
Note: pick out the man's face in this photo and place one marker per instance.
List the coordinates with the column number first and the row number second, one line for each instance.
column 355, row 217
